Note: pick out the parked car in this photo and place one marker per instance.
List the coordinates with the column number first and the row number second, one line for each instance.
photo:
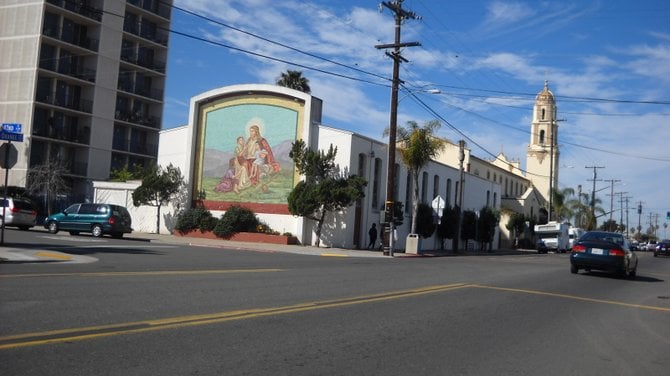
column 662, row 248
column 602, row 250
column 98, row 219
column 651, row 246
column 19, row 212
column 634, row 245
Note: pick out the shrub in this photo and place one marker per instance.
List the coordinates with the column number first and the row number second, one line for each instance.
column 196, row 218
column 236, row 219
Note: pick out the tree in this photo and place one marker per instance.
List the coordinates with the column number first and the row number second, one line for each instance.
column 324, row 189
column 560, row 205
column 158, row 188
column 469, row 226
column 486, row 225
column 448, row 227
column 48, row 179
column 517, row 224
column 293, row 79
column 425, row 221
column 418, row 146
column 124, row 174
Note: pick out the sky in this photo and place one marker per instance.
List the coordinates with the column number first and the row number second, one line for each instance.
column 478, row 70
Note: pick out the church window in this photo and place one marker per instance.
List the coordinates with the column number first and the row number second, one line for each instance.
column 543, row 114
column 542, row 136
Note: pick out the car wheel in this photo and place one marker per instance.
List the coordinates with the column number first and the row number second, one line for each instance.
column 96, row 230
column 74, row 232
column 655, row 254
column 574, row 269
column 53, row 227
column 632, row 273
column 117, row 235
column 24, row 228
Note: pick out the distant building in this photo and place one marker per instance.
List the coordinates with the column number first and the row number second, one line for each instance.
column 85, row 79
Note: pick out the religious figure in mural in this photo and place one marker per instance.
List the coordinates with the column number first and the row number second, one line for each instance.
column 253, row 160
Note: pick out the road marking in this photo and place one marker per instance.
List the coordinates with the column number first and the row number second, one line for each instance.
column 333, row 255
column 144, row 273
column 573, row 297
column 54, row 255
column 80, row 334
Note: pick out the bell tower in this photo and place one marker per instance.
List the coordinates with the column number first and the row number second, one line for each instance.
column 542, row 156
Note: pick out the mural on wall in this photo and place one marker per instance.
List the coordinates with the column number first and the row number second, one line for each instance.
column 246, row 154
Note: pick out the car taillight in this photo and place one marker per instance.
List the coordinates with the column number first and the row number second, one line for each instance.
column 617, row 252
column 15, row 210
column 578, row 248
column 111, row 220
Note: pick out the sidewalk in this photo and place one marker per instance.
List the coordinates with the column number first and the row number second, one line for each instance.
column 16, row 254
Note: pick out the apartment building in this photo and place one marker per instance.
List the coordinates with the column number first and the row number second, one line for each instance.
column 85, row 79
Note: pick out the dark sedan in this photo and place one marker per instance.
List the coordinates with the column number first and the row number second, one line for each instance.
column 601, row 250
column 662, row 248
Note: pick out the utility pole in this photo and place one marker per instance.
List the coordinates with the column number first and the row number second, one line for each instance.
column 621, row 214
column 639, row 217
column 461, row 181
column 552, row 161
column 612, row 181
column 593, row 193
column 400, row 16
column 627, row 228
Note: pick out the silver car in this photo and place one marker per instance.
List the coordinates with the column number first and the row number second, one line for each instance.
column 19, row 212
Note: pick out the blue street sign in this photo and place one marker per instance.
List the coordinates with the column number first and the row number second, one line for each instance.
column 17, row 137
column 12, row 127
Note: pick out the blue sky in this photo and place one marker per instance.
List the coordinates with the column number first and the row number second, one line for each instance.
column 607, row 63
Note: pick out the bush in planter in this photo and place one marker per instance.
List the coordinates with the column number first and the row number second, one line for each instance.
column 236, row 219
column 196, row 218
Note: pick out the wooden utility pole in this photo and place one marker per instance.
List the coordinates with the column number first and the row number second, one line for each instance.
column 400, row 16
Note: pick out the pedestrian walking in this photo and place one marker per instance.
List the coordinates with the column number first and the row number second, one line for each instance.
column 373, row 236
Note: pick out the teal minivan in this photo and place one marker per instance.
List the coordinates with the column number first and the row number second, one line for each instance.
column 98, row 219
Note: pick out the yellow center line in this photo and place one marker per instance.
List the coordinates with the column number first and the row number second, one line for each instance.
column 60, row 256
column 142, row 273
column 573, row 297
column 79, row 334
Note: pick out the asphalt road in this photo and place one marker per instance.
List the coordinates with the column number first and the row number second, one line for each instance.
column 148, row 309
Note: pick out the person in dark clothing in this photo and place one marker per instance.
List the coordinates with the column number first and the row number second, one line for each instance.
column 373, row 236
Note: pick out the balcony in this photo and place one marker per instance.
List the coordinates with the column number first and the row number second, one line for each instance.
column 146, row 30
column 136, row 147
column 70, row 38
column 80, row 7
column 81, row 105
column 154, row 94
column 153, row 64
column 137, row 118
column 75, row 72
column 69, row 133
column 154, row 6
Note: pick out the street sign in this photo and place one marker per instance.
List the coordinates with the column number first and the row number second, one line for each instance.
column 17, row 137
column 12, row 128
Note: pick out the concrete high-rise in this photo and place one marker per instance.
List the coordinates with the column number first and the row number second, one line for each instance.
column 85, row 78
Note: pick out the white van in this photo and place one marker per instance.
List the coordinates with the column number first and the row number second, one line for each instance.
column 574, row 233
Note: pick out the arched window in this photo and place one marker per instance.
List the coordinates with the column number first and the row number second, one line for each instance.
column 488, row 198
column 436, row 186
column 448, row 193
column 542, row 136
column 408, row 194
column 376, row 180
column 543, row 114
column 424, row 186
column 495, row 199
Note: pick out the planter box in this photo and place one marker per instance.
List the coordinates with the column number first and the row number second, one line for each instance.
column 250, row 237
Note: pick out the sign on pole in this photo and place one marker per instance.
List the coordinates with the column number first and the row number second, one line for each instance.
column 16, row 137
column 12, row 128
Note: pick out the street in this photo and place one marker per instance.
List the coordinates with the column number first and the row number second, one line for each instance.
column 163, row 309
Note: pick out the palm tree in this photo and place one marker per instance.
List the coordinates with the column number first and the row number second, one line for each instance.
column 293, row 79
column 418, row 147
column 560, row 206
